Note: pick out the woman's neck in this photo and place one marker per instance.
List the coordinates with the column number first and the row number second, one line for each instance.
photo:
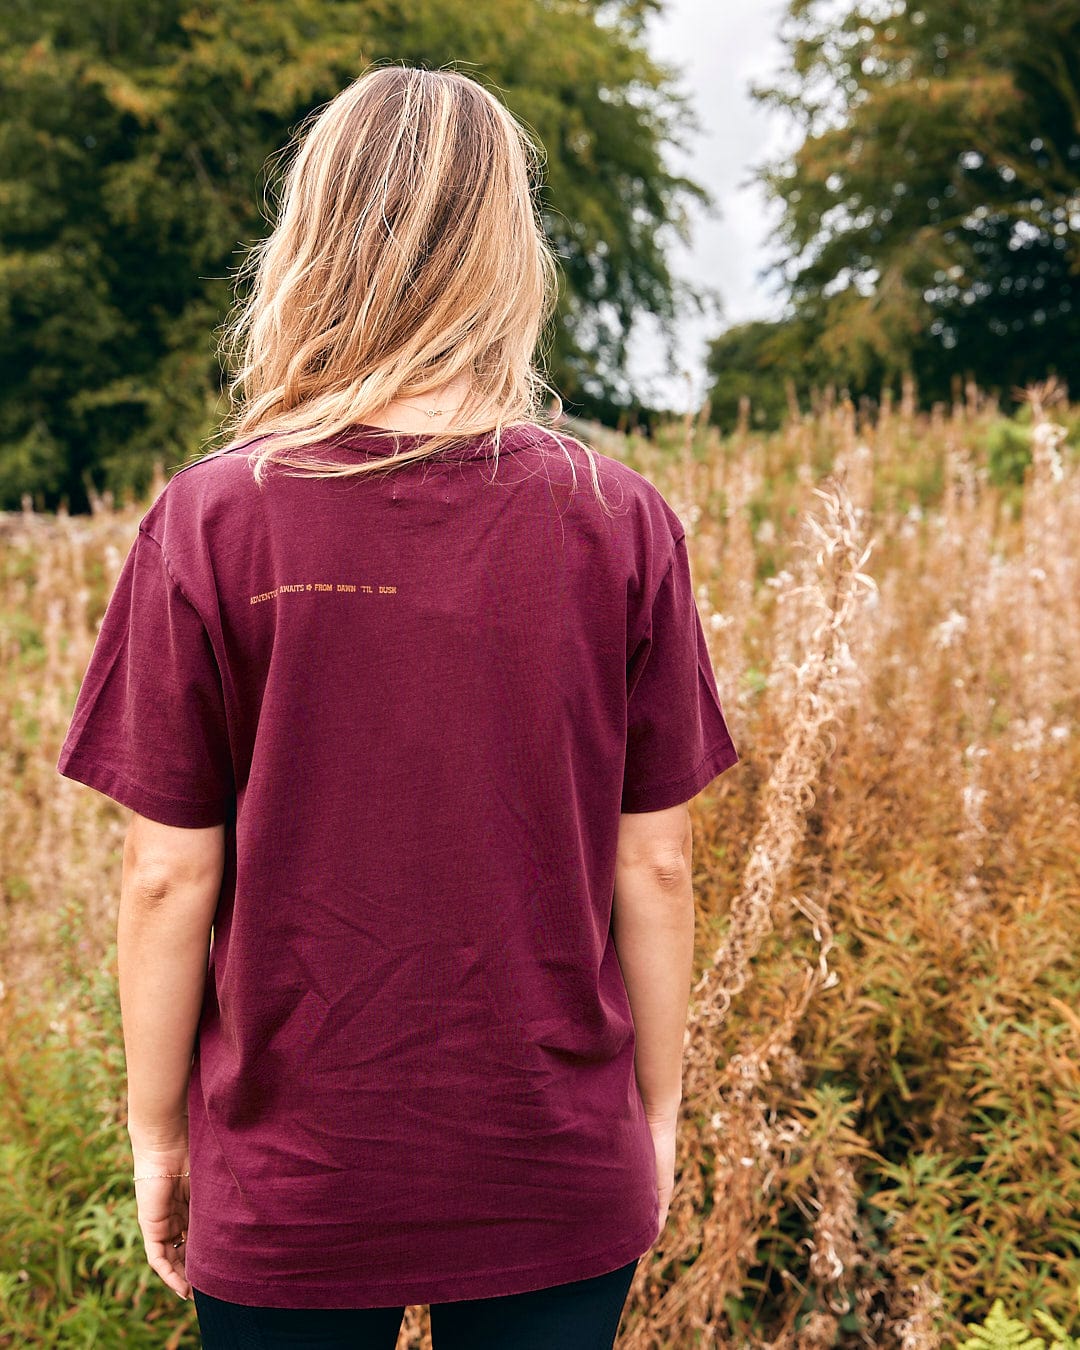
column 412, row 415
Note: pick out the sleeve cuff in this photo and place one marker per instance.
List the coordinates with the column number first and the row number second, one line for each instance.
column 659, row 796
column 142, row 800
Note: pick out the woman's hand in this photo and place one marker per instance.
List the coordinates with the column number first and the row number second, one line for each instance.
column 163, row 1211
column 664, row 1129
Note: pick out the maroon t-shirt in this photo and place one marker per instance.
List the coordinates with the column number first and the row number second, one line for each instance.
column 418, row 703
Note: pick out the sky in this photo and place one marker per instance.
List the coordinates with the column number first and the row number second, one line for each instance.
column 719, row 47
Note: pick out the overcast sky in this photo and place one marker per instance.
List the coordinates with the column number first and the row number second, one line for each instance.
column 720, row 47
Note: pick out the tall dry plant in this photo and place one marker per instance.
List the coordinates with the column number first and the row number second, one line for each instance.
column 1051, row 610
column 58, row 840
column 815, row 681
column 734, row 562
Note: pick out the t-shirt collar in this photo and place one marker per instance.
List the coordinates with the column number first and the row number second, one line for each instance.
column 367, row 439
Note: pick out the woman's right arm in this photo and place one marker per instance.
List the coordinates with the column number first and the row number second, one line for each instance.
column 653, row 929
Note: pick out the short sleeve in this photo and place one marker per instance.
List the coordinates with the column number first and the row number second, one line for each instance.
column 677, row 737
column 149, row 724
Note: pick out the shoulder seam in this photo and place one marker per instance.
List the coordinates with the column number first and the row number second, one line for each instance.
column 203, row 459
column 172, row 575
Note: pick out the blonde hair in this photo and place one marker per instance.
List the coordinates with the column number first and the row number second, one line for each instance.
column 408, row 252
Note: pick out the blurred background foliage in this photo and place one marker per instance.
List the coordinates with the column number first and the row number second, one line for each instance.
column 135, row 140
column 930, row 215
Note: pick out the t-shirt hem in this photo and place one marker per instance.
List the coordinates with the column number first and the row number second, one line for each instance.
column 659, row 796
column 142, row 800
column 496, row 1283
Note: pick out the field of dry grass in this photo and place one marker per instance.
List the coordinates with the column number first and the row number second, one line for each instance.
column 881, row 1128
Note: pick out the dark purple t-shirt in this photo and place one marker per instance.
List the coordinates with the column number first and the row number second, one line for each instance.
column 418, row 703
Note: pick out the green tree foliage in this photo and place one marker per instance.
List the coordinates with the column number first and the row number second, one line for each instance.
column 136, row 139
column 767, row 362
column 746, row 361
column 931, row 215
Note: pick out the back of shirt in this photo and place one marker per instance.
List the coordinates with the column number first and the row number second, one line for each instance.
column 418, row 702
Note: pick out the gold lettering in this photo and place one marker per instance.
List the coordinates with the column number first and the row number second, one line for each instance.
column 326, row 587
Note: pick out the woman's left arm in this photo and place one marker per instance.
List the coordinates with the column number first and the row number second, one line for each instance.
column 168, row 897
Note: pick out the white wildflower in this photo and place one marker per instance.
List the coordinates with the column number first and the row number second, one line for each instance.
column 1045, row 439
column 973, row 798
column 766, row 532
column 949, row 629
column 1028, row 734
column 783, row 578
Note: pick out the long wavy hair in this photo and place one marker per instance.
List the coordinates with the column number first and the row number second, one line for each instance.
column 408, row 251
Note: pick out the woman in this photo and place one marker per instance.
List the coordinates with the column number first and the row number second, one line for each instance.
column 408, row 716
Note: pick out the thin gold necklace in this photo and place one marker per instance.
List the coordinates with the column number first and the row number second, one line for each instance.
column 431, row 412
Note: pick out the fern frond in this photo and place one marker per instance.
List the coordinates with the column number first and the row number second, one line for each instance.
column 1062, row 1339
column 1000, row 1332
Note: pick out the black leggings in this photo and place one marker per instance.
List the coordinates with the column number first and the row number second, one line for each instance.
column 583, row 1315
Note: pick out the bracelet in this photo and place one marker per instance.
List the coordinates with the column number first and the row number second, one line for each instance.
column 162, row 1176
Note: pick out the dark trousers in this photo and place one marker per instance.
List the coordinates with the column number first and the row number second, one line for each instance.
column 583, row 1315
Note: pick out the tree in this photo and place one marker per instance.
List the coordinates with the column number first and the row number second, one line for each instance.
column 136, row 139
column 931, row 215
column 763, row 360
column 744, row 361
